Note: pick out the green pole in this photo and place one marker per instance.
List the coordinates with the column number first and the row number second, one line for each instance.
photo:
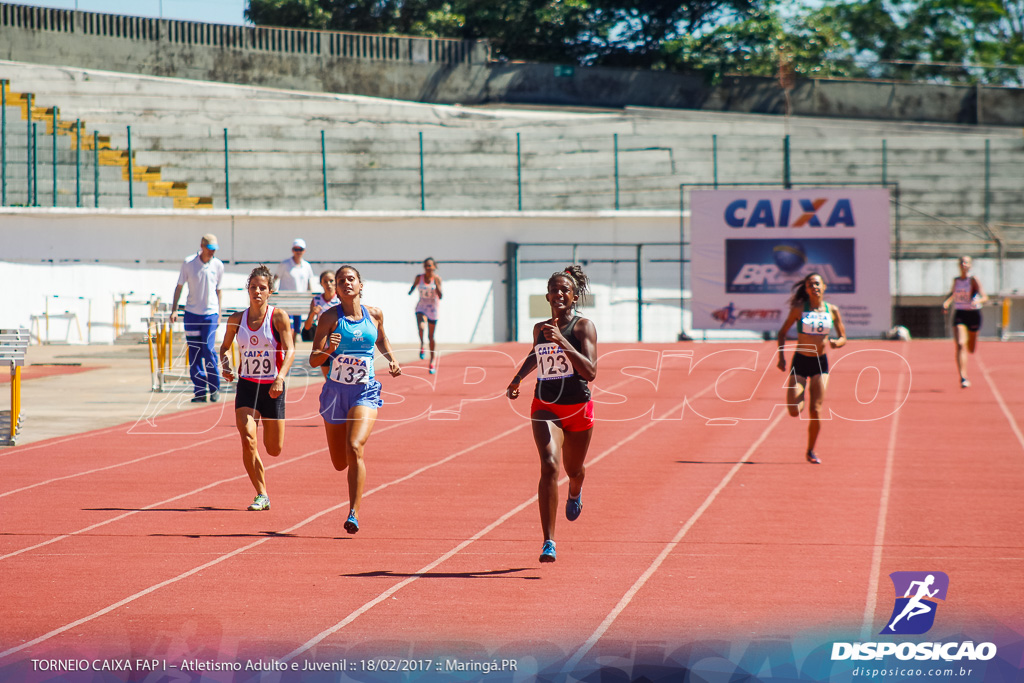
column 714, row 159
column 616, row 152
column 78, row 163
column 885, row 164
column 787, row 181
column 3, row 143
column 28, row 150
column 96, row 169
column 227, row 173
column 423, row 194
column 323, row 161
column 35, row 165
column 988, row 180
column 131, row 194
column 512, row 279
column 519, row 170
column 639, row 293
column 54, row 158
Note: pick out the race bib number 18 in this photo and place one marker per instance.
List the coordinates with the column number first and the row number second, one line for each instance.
column 552, row 362
column 350, row 370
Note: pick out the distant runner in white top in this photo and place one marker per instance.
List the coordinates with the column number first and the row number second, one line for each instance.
column 967, row 298
column 428, row 284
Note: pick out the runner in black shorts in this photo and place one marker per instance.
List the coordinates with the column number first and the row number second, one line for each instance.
column 266, row 352
column 967, row 298
column 809, row 372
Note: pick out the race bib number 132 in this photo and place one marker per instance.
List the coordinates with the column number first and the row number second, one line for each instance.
column 350, row 370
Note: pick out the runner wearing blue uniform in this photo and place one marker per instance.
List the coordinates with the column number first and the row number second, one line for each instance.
column 265, row 356
column 345, row 340
column 809, row 371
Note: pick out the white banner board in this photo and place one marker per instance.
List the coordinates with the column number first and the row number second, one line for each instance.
column 750, row 246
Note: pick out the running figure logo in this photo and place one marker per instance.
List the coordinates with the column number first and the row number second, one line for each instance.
column 914, row 612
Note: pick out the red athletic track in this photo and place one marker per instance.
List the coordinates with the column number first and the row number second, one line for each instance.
column 39, row 371
column 134, row 541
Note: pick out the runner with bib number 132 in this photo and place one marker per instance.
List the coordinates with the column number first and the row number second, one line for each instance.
column 565, row 357
column 345, row 340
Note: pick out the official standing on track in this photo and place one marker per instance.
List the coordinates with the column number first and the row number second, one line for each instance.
column 967, row 298
column 295, row 275
column 808, row 375
column 345, row 339
column 265, row 355
column 428, row 283
column 562, row 413
column 203, row 273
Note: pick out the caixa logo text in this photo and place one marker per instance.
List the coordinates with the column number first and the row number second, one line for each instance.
column 949, row 652
column 784, row 214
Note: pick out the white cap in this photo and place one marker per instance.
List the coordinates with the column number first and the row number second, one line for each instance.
column 299, row 244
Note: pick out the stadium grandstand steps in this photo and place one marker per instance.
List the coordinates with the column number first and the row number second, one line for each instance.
column 473, row 158
column 56, row 145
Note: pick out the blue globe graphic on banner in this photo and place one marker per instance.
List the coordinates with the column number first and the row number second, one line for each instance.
column 789, row 256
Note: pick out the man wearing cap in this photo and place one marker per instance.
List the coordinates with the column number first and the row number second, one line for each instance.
column 203, row 273
column 295, row 275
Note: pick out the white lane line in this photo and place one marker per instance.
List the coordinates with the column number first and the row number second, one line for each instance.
column 639, row 583
column 475, row 537
column 110, row 467
column 883, row 513
column 131, row 598
column 1002, row 404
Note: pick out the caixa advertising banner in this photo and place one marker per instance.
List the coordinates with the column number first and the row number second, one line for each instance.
column 750, row 247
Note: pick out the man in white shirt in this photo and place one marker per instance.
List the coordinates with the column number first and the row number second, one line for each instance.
column 295, row 275
column 203, row 273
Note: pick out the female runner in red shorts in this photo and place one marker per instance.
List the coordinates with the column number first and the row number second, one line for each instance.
column 565, row 356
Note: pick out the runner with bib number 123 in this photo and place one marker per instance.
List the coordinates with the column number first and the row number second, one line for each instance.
column 565, row 358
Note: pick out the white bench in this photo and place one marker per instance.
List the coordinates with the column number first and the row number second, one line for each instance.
column 13, row 344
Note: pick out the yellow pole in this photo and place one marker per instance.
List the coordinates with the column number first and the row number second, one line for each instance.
column 1007, row 305
column 15, row 400
column 170, row 343
column 149, row 340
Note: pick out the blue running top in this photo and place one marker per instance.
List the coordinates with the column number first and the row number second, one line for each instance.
column 352, row 361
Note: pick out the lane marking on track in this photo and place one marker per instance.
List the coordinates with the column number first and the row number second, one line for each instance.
column 478, row 535
column 883, row 513
column 667, row 550
column 367, row 606
column 238, row 551
column 152, row 506
column 1002, row 404
column 110, row 467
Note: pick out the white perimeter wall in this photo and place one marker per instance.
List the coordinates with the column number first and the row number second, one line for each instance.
column 69, row 259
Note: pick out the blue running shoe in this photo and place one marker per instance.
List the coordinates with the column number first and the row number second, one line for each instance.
column 573, row 507
column 423, row 353
column 352, row 524
column 547, row 553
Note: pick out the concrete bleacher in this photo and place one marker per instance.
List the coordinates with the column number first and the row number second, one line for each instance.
column 469, row 155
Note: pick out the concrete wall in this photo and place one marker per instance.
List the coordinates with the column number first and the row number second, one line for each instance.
column 453, row 72
column 83, row 261
column 69, row 258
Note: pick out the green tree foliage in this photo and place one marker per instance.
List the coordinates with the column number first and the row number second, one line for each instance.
column 939, row 40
